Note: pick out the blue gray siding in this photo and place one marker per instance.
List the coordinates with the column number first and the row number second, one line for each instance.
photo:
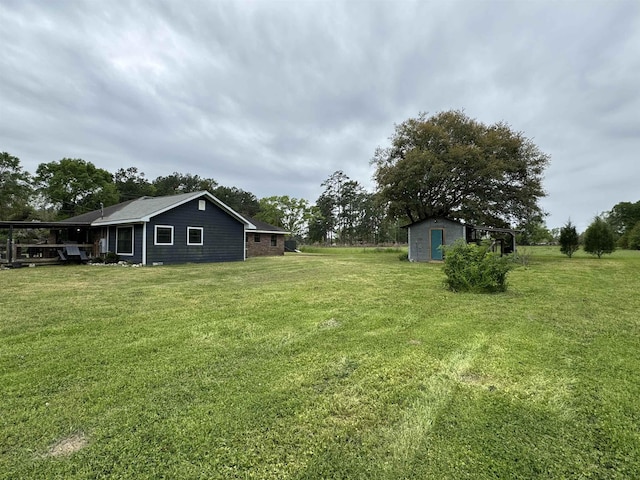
column 137, row 243
column 420, row 235
column 223, row 235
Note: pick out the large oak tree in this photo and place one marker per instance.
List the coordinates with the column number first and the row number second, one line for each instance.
column 75, row 186
column 454, row 166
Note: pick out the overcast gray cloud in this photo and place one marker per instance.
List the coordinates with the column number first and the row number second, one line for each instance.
column 274, row 96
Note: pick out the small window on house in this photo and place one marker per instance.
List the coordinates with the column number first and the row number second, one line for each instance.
column 164, row 235
column 195, row 235
column 256, row 237
column 202, row 204
column 124, row 240
column 274, row 240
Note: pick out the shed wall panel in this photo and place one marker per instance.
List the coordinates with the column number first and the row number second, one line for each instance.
column 420, row 237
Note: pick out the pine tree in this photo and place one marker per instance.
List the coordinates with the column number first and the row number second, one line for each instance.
column 569, row 239
column 599, row 238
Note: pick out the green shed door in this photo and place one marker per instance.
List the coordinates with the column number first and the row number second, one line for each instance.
column 437, row 236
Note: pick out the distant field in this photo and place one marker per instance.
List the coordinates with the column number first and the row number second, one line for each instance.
column 334, row 364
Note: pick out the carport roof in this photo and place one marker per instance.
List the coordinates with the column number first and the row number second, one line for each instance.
column 25, row 224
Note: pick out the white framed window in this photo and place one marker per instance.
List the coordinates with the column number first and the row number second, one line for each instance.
column 195, row 236
column 124, row 240
column 163, row 235
column 202, row 204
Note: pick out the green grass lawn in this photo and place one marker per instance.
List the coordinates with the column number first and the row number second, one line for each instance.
column 348, row 364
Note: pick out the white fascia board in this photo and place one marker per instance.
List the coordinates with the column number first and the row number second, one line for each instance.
column 127, row 221
column 280, row 232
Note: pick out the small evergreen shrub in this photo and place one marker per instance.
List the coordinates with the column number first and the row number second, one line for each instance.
column 474, row 268
column 404, row 257
column 569, row 239
column 599, row 238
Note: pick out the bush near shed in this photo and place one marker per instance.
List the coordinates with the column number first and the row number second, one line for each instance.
column 475, row 268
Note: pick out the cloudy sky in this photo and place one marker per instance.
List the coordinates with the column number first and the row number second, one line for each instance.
column 274, row 96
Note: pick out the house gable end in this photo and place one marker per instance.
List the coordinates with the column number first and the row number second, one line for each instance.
column 221, row 235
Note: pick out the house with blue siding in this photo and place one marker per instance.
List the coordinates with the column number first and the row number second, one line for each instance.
column 427, row 237
column 186, row 228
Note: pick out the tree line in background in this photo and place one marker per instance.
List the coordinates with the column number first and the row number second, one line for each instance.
column 344, row 213
column 445, row 165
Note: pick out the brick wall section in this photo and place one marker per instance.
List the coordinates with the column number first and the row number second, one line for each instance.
column 263, row 248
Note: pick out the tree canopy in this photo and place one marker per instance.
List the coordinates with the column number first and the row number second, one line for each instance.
column 599, row 238
column 454, row 166
column 15, row 188
column 240, row 200
column 633, row 237
column 286, row 212
column 75, row 186
column 132, row 184
column 624, row 216
column 345, row 212
column 182, row 183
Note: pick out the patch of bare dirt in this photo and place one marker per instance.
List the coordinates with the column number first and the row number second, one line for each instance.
column 68, row 445
column 331, row 323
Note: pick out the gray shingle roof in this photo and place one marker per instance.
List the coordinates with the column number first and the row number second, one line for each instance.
column 142, row 209
column 264, row 226
column 96, row 214
column 145, row 207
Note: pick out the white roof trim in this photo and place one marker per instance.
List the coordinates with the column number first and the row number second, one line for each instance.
column 250, row 230
column 126, row 221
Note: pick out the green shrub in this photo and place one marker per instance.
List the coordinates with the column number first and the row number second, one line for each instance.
column 474, row 268
column 404, row 257
column 633, row 237
column 111, row 257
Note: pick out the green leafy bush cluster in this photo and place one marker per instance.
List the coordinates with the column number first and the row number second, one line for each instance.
column 475, row 268
column 633, row 237
column 111, row 257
